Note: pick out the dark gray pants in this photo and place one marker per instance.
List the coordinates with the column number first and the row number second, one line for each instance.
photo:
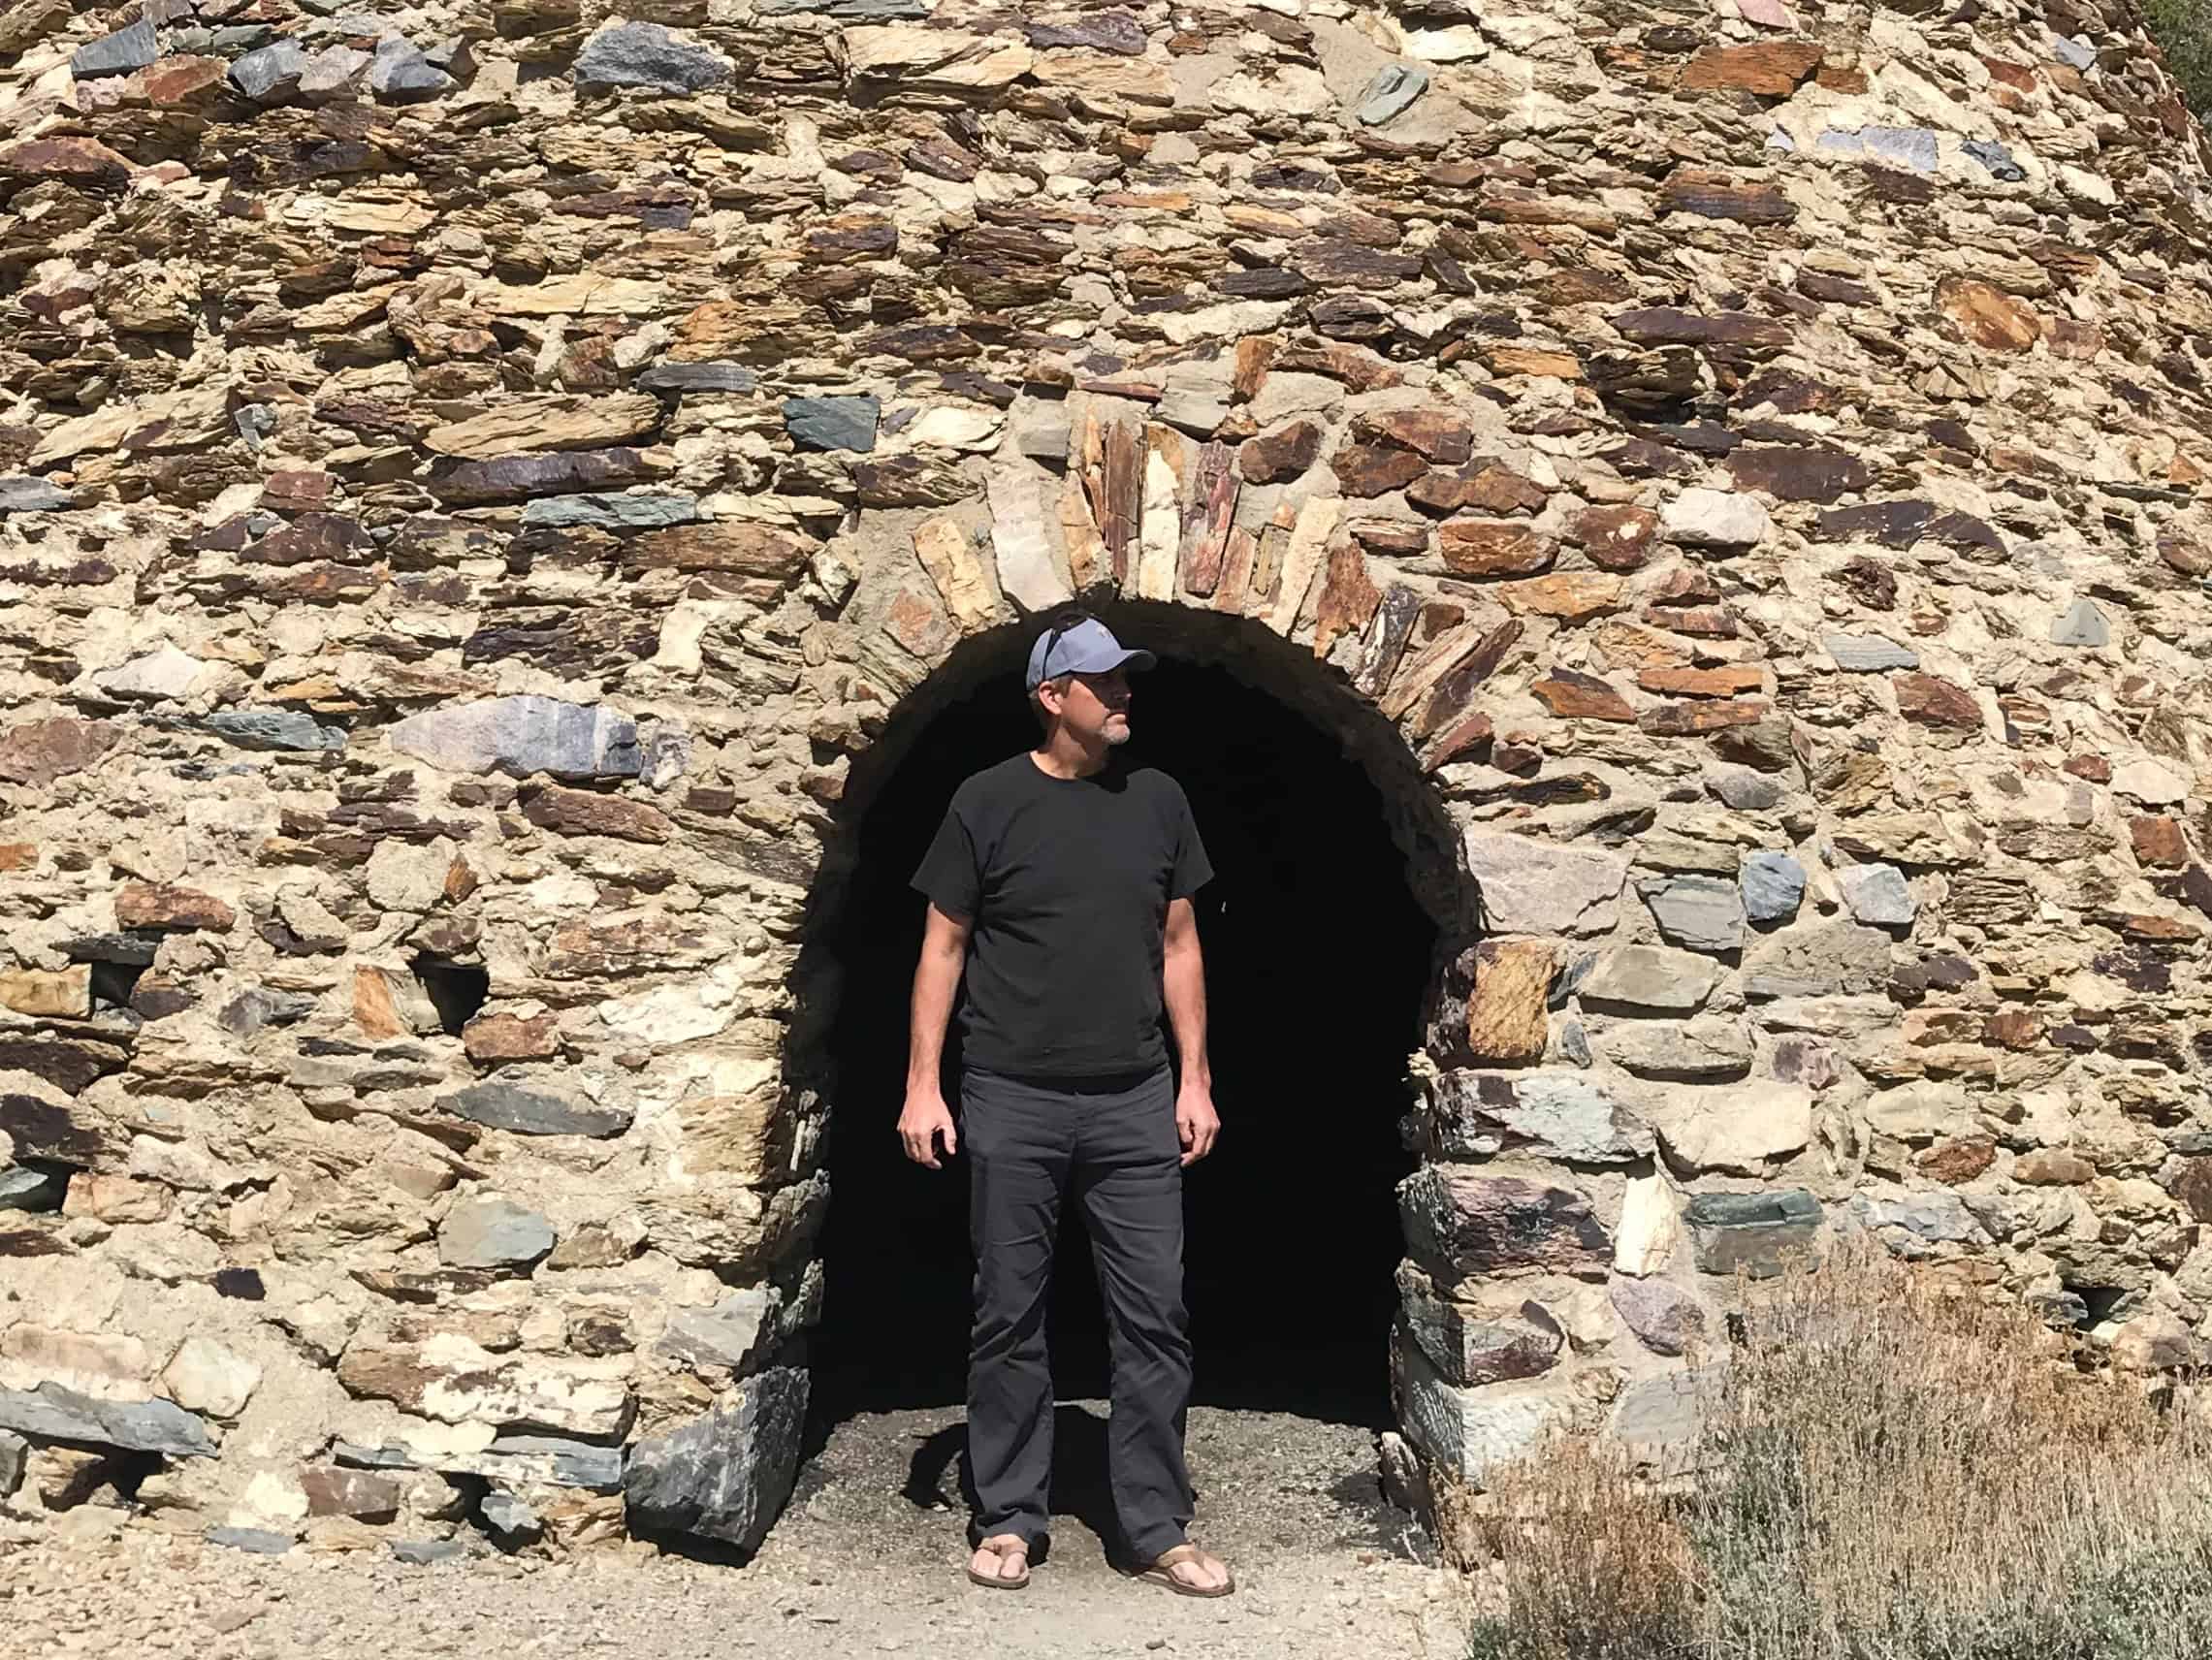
column 1115, row 1150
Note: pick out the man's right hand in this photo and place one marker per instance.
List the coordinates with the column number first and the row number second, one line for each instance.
column 924, row 1119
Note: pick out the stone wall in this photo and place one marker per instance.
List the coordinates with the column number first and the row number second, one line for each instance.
column 475, row 478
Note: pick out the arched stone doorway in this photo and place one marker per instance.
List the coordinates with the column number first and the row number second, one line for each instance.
column 1337, row 891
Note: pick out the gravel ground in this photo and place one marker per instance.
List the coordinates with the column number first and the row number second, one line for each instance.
column 867, row 1560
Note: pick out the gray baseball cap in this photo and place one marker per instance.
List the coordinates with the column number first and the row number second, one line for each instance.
column 1087, row 647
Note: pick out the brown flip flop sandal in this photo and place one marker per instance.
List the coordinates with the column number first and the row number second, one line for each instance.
column 1002, row 1545
column 1162, row 1573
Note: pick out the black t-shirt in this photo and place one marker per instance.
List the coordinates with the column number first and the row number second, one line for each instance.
column 1065, row 883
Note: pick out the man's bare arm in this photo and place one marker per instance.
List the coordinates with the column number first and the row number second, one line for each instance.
column 1183, row 986
column 926, row 1116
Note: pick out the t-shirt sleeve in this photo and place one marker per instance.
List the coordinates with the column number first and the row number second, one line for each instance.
column 949, row 876
column 1191, row 869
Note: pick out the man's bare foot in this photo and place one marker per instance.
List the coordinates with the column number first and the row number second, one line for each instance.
column 1190, row 1572
column 1001, row 1562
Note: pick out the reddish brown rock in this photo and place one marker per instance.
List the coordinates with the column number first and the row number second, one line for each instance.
column 2189, row 558
column 1348, row 597
column 1935, row 702
column 2053, row 1167
column 19, row 855
column 1374, row 469
column 1799, row 472
column 1988, row 316
column 741, row 546
column 1617, row 538
column 1708, row 622
column 1581, row 697
column 1713, row 195
column 1468, row 738
column 178, row 83
column 39, row 751
column 334, row 1490
column 373, row 1010
column 1955, row 1161
column 1485, row 489
column 1768, row 69
column 1285, row 453
column 511, row 1037
column 1552, row 361
column 158, row 905
column 2193, row 1187
column 1704, row 683
column 1687, row 720
column 2158, row 842
column 73, row 161
column 2095, row 768
column 296, row 489
column 1506, row 1019
column 2013, row 1029
column 1394, row 538
column 587, row 813
column 1441, row 436
column 2156, row 930
column 1572, row 596
column 1493, row 547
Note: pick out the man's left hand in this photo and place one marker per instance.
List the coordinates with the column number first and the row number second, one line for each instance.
column 1195, row 1122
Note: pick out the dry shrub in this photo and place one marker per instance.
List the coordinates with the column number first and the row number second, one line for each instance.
column 1892, row 1468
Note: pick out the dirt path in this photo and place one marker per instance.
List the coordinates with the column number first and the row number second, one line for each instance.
column 865, row 1561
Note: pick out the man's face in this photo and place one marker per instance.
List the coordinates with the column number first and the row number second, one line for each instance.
column 1093, row 708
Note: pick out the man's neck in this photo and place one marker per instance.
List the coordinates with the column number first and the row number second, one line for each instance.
column 1062, row 756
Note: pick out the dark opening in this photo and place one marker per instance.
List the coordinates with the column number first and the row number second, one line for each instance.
column 1317, row 957
column 455, row 991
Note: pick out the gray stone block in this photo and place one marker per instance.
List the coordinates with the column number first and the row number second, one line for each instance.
column 832, row 423
column 1556, row 1115
column 269, row 74
column 726, row 1475
column 698, row 377
column 1773, row 885
column 521, row 736
column 275, row 729
column 1869, row 653
column 400, row 73
column 1877, row 895
column 421, row 1553
column 1996, row 158
column 1391, row 93
column 54, row 1413
column 1756, row 1231
column 261, row 1540
column 649, row 56
column 487, row 1232
column 2083, row 626
column 118, row 53
column 509, row 1520
column 642, row 512
column 1701, row 914
column 23, row 494
column 533, row 1113
column 727, row 1334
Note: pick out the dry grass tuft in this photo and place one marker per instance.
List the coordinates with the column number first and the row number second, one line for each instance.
column 1893, row 1469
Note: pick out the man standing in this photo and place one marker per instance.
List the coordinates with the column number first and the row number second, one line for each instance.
column 1061, row 881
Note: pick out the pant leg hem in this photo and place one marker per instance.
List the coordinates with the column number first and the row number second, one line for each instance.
column 1155, row 1545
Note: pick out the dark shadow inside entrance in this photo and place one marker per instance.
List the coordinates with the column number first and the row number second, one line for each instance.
column 1317, row 959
